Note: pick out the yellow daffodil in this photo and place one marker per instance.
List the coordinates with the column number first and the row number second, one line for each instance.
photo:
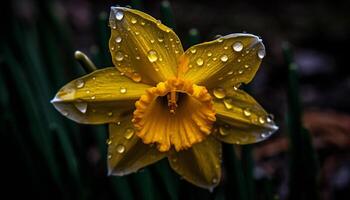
column 160, row 101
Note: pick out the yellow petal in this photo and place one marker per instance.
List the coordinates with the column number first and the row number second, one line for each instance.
column 99, row 97
column 126, row 151
column 201, row 164
column 241, row 120
column 142, row 47
column 231, row 60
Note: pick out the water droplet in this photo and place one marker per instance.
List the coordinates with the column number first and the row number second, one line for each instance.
column 246, row 66
column 193, row 50
column 119, row 56
column 143, row 23
column 219, row 93
column 228, row 103
column 238, row 60
column 93, row 97
column 247, row 112
column 160, row 39
column 137, row 57
column 136, row 77
column 80, row 83
column 261, row 53
column 261, row 120
column 265, row 135
column 224, row 58
column 120, row 148
column 225, row 47
column 123, row 90
column 238, row 46
column 110, row 114
column 152, row 41
column 240, row 71
column 269, row 118
column 220, row 40
column 171, row 39
column 109, row 141
column 87, row 91
column 109, row 156
column 118, row 39
column 133, row 20
column 209, row 54
column 199, row 61
column 137, row 33
column 129, row 133
column 152, row 56
column 215, row 58
column 230, row 73
column 119, row 15
column 64, row 112
column 81, row 106
column 215, row 180
column 118, row 123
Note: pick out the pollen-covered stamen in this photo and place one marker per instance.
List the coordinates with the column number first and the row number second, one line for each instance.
column 172, row 99
column 175, row 112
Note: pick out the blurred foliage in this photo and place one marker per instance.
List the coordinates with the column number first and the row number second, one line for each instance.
column 49, row 157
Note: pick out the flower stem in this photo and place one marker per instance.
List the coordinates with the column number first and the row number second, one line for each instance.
column 85, row 62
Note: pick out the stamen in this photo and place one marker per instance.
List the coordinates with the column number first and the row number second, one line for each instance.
column 172, row 101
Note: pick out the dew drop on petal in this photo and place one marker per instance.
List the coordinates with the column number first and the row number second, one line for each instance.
column 152, row 56
column 223, row 131
column 119, row 56
column 269, row 118
column 199, row 61
column 80, row 83
column 228, row 103
column 219, row 93
column 133, row 20
column 93, row 97
column 209, row 54
column 246, row 112
column 110, row 114
column 109, row 141
column 160, row 39
column 120, row 148
column 119, row 15
column 238, row 46
column 261, row 120
column 246, row 66
column 81, row 106
column 129, row 133
column 224, row 58
column 118, row 39
column 261, row 53
column 220, row 40
column 265, row 135
column 193, row 51
column 109, row 156
column 123, row 90
column 136, row 77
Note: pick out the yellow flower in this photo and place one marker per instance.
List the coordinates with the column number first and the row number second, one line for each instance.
column 160, row 101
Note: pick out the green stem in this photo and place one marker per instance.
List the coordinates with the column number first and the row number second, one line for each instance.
column 85, row 62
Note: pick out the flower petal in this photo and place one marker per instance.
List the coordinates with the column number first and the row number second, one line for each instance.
column 241, row 120
column 228, row 60
column 126, row 151
column 201, row 164
column 99, row 97
column 142, row 47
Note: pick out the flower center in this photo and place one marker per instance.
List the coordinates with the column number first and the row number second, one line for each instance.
column 174, row 113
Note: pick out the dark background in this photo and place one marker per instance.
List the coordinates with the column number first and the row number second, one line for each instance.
column 38, row 39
